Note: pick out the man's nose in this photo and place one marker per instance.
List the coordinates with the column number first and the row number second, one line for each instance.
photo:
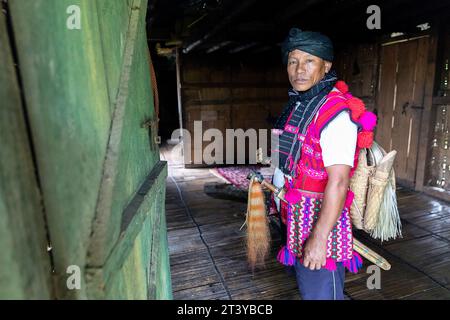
column 300, row 68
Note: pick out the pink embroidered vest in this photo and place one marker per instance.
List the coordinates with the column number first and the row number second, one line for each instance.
column 305, row 191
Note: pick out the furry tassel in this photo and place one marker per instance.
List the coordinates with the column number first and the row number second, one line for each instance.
column 258, row 233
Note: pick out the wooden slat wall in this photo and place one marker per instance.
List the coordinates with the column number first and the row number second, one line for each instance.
column 436, row 165
column 357, row 65
column 382, row 68
column 232, row 95
column 88, row 94
column 25, row 271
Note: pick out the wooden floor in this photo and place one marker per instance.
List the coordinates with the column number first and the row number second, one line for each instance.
column 207, row 254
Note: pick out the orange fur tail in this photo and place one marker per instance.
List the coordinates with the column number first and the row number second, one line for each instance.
column 258, row 233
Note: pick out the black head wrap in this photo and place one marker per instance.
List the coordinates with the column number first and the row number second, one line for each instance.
column 314, row 43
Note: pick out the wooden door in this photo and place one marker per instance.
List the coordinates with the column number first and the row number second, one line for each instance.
column 400, row 101
column 25, row 270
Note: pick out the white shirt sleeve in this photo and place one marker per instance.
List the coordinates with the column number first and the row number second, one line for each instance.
column 338, row 141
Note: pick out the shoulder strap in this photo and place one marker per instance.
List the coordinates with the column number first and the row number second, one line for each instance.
column 332, row 107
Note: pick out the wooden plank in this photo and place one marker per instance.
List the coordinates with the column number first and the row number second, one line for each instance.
column 385, row 95
column 437, row 293
column 429, row 114
column 25, row 271
column 401, row 130
column 113, row 38
column 128, row 159
column 416, row 102
column 139, row 239
column 69, row 113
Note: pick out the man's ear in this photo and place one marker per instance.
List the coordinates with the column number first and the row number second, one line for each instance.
column 328, row 65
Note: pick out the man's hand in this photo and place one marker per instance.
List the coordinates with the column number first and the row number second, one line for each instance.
column 315, row 252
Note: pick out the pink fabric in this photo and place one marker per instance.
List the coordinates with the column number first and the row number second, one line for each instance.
column 293, row 196
column 330, row 264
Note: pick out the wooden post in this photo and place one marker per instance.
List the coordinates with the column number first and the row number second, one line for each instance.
column 180, row 108
column 427, row 117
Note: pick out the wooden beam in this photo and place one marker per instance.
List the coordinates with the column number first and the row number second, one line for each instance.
column 180, row 106
column 218, row 46
column 230, row 18
column 243, row 47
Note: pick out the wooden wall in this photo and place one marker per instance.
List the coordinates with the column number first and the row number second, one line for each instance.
column 227, row 93
column 89, row 105
column 395, row 78
column 437, row 179
column 357, row 65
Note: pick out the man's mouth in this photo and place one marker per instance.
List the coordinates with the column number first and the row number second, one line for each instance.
column 301, row 81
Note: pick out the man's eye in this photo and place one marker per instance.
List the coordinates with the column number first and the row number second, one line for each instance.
column 309, row 60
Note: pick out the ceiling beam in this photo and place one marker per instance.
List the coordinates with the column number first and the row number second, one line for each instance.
column 218, row 46
column 243, row 47
column 225, row 22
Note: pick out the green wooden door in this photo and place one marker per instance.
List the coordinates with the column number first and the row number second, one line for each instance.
column 25, row 270
column 90, row 108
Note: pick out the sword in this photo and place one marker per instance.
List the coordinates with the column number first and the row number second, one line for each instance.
column 359, row 247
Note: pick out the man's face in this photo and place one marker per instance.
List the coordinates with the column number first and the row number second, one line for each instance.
column 305, row 70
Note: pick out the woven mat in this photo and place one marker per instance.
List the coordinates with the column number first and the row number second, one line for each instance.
column 237, row 175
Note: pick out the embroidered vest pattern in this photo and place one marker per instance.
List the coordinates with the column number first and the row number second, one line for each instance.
column 306, row 190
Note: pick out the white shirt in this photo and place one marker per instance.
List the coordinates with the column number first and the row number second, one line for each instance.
column 338, row 141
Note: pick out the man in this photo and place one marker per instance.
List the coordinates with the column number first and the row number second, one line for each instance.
column 317, row 154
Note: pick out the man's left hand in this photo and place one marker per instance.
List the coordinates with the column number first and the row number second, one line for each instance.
column 315, row 252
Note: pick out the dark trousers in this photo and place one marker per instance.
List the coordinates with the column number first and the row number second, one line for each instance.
column 320, row 284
